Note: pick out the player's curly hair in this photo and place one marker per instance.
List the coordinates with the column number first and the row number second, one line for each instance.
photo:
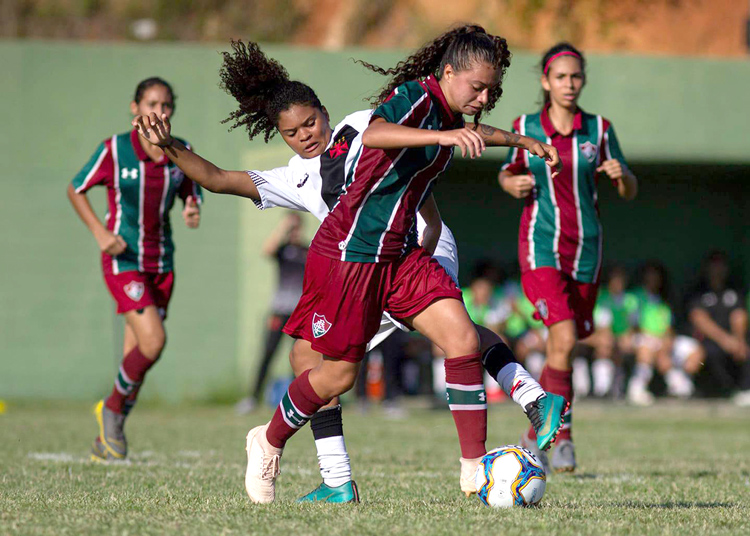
column 262, row 89
column 552, row 52
column 460, row 47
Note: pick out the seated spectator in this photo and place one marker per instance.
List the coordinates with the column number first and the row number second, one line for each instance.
column 718, row 315
column 615, row 317
column 655, row 344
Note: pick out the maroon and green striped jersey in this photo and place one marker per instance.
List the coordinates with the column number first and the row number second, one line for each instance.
column 374, row 218
column 560, row 225
column 140, row 194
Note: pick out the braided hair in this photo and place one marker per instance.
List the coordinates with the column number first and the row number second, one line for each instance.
column 461, row 48
column 262, row 89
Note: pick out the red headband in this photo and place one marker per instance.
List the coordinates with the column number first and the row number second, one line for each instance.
column 563, row 53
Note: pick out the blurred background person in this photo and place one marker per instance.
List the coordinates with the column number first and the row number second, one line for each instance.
column 137, row 251
column 676, row 357
column 559, row 239
column 287, row 249
column 718, row 315
column 615, row 317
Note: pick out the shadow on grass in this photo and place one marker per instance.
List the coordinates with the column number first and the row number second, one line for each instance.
column 674, row 505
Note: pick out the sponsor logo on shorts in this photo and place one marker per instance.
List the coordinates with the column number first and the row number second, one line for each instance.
column 541, row 307
column 134, row 290
column 589, row 150
column 320, row 325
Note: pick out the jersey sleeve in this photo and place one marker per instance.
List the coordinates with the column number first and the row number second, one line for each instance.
column 515, row 162
column 98, row 170
column 276, row 189
column 610, row 148
column 189, row 187
column 404, row 104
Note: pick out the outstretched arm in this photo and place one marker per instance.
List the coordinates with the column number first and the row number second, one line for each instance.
column 382, row 134
column 158, row 131
column 496, row 137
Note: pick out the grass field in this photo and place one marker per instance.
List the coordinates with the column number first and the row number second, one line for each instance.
column 670, row 469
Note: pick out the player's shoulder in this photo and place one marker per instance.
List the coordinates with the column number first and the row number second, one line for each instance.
column 527, row 119
column 357, row 121
column 595, row 118
column 412, row 90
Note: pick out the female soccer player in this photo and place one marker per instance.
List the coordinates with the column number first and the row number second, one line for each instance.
column 312, row 181
column 137, row 249
column 560, row 238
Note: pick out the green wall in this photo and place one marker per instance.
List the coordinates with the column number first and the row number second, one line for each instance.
column 59, row 336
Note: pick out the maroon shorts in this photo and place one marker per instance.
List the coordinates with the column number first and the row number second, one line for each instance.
column 558, row 297
column 138, row 290
column 342, row 302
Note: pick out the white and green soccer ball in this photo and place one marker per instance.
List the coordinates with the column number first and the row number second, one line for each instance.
column 510, row 476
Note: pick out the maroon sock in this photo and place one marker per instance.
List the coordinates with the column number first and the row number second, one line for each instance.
column 468, row 402
column 132, row 371
column 559, row 382
column 296, row 407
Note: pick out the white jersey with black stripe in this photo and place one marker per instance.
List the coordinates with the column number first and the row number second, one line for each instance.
column 314, row 184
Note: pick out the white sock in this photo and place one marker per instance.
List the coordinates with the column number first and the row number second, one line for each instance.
column 333, row 460
column 642, row 374
column 438, row 377
column 519, row 384
column 535, row 364
column 581, row 380
column 603, row 371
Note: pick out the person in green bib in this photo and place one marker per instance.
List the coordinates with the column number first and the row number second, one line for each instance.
column 675, row 357
column 615, row 318
column 137, row 251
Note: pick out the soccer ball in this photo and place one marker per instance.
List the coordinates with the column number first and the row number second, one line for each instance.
column 510, row 476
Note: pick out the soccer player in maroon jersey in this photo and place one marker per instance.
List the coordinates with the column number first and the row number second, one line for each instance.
column 365, row 260
column 560, row 237
column 269, row 103
column 136, row 250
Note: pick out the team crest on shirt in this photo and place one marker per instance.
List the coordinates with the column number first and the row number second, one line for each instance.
column 176, row 175
column 339, row 148
column 320, row 325
column 589, row 150
column 541, row 307
column 134, row 290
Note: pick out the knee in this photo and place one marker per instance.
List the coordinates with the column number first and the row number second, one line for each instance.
column 152, row 342
column 465, row 343
column 562, row 342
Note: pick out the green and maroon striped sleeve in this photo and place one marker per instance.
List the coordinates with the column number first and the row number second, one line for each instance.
column 400, row 106
column 98, row 170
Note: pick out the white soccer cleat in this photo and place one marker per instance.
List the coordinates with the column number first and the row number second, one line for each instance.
column 639, row 395
column 469, row 475
column 262, row 466
column 742, row 399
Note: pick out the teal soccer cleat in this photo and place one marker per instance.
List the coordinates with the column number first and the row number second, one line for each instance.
column 546, row 416
column 345, row 493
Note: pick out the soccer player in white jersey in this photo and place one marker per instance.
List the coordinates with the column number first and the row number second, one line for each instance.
column 270, row 103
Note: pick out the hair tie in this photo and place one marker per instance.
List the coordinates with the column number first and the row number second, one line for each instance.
column 563, row 53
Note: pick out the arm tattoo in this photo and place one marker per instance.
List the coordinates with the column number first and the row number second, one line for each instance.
column 487, row 130
column 511, row 137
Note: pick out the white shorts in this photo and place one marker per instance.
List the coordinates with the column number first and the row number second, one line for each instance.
column 446, row 253
column 682, row 348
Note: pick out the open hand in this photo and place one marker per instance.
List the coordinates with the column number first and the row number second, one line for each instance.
column 155, row 130
column 191, row 213
column 469, row 141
